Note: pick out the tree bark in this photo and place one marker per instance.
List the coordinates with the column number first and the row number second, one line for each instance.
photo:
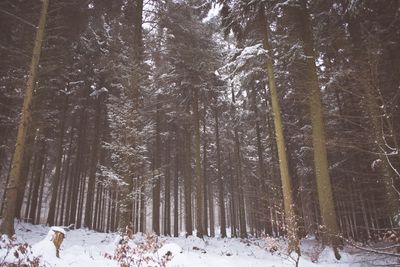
column 324, row 186
column 281, row 145
column 40, row 155
column 221, row 199
column 157, row 173
column 57, row 173
column 7, row 225
column 206, row 182
column 199, row 177
column 93, row 167
column 176, row 184
column 187, row 169
column 167, row 198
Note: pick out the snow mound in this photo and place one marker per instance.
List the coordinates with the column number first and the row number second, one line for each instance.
column 171, row 248
column 86, row 248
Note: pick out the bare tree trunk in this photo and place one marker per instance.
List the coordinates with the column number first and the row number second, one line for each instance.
column 93, row 167
column 78, row 174
column 167, row 198
column 206, row 182
column 157, row 173
column 66, row 177
column 142, row 208
column 199, row 177
column 57, row 173
column 221, row 199
column 233, row 197
column 40, row 155
column 25, row 171
column 187, row 182
column 324, row 186
column 7, row 224
column 40, row 196
column 176, row 184
column 281, row 145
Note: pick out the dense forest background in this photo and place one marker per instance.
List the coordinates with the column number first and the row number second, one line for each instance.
column 253, row 117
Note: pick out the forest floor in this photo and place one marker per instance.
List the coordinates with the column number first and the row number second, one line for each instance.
column 88, row 248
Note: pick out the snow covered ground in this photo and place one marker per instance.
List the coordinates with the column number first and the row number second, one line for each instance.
column 88, row 248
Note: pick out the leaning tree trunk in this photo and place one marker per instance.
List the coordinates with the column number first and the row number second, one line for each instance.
column 7, row 225
column 27, row 158
column 281, row 146
column 324, row 186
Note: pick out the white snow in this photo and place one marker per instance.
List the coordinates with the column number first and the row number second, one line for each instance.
column 213, row 12
column 87, row 248
column 58, row 229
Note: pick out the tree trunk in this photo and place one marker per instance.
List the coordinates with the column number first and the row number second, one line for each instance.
column 7, row 224
column 324, row 186
column 93, row 167
column 199, row 177
column 28, row 153
column 206, row 182
column 157, row 173
column 233, row 197
column 187, row 169
column 167, row 198
column 57, row 173
column 66, row 178
column 240, row 184
column 142, row 208
column 40, row 196
column 40, row 155
column 78, row 172
column 176, row 184
column 281, row 146
column 221, row 199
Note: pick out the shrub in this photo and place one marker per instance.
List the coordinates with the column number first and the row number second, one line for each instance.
column 13, row 254
column 140, row 254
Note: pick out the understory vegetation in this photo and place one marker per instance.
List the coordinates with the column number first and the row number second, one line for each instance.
column 220, row 118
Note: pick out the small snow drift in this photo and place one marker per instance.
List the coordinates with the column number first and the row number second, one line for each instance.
column 85, row 248
column 50, row 245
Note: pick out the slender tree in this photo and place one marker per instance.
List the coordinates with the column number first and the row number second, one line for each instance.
column 324, row 186
column 287, row 187
column 7, row 225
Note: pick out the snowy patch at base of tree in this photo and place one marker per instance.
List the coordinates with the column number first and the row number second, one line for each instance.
column 84, row 247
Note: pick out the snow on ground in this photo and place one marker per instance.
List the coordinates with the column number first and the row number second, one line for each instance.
column 87, row 248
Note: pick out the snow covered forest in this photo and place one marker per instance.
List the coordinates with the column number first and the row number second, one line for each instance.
column 213, row 126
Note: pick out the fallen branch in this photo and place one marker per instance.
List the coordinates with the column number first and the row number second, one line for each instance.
column 374, row 250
